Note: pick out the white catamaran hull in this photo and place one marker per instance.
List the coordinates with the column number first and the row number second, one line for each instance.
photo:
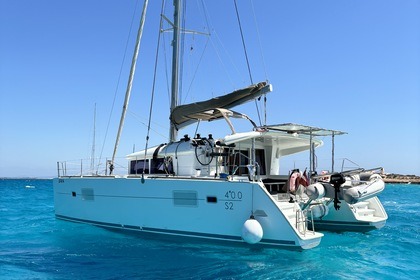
column 216, row 210
column 202, row 187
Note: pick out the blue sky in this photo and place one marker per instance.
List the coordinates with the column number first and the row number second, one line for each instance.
column 346, row 65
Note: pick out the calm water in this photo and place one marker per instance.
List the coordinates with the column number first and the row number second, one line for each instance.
column 34, row 245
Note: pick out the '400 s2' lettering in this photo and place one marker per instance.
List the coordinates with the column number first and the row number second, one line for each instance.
column 234, row 196
column 228, row 205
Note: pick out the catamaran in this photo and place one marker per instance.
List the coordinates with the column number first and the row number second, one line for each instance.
column 225, row 188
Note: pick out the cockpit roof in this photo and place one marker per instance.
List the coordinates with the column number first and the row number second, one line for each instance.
column 303, row 129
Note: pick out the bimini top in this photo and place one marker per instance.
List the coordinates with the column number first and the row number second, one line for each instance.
column 303, row 129
column 184, row 115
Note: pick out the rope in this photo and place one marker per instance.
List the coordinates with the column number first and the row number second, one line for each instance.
column 153, row 94
column 118, row 81
column 195, row 72
column 243, row 42
column 259, row 41
column 204, row 15
column 246, row 57
column 143, row 123
column 263, row 62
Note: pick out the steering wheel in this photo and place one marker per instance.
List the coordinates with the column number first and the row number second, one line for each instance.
column 204, row 152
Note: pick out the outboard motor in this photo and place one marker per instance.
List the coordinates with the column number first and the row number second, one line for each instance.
column 337, row 179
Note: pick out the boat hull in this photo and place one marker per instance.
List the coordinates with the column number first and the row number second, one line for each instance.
column 341, row 226
column 360, row 217
column 210, row 209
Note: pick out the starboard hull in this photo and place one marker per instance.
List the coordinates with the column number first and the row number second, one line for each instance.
column 360, row 217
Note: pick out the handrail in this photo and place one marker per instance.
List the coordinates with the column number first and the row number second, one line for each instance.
column 342, row 164
column 236, row 167
column 350, row 172
column 80, row 168
column 379, row 169
column 302, row 221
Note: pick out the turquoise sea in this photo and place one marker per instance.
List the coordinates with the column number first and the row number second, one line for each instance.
column 34, row 245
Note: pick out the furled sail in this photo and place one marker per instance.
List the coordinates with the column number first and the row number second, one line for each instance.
column 184, row 115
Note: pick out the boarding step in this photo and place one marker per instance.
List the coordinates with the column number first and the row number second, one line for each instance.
column 365, row 212
column 362, row 205
column 281, row 196
column 289, row 210
column 287, row 206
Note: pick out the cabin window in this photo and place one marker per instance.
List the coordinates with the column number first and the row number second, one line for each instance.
column 240, row 160
column 137, row 166
column 159, row 166
column 260, row 158
column 155, row 166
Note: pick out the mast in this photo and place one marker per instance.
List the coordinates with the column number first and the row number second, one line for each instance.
column 173, row 133
column 130, row 83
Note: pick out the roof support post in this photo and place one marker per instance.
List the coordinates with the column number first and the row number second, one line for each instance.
column 332, row 151
column 311, row 155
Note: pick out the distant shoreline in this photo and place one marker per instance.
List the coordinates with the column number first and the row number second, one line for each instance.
column 401, row 179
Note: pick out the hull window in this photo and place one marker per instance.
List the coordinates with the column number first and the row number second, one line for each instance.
column 211, row 199
column 185, row 198
column 88, row 194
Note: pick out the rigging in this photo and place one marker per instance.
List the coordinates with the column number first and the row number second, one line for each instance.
column 118, row 82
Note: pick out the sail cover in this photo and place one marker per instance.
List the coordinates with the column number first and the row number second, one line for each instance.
column 184, row 115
